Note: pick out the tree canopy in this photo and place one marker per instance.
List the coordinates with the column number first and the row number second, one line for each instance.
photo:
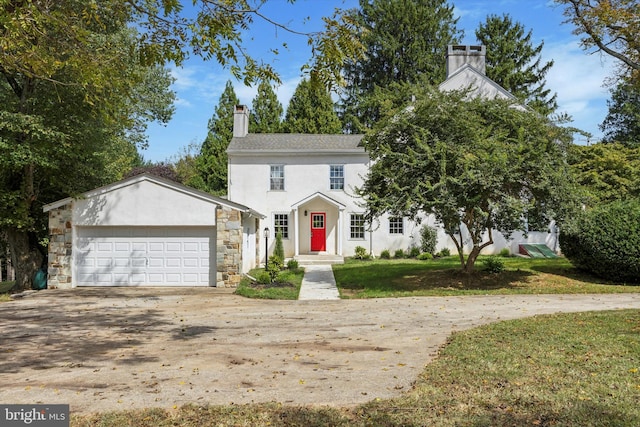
column 622, row 123
column 515, row 64
column 266, row 111
column 311, row 110
column 212, row 161
column 477, row 165
column 405, row 41
column 606, row 172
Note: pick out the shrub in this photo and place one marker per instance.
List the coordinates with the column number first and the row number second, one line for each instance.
column 605, row 241
column 425, row 256
column 414, row 252
column 428, row 239
column 278, row 249
column 361, row 253
column 493, row 264
column 274, row 267
column 264, row 278
column 505, row 253
column 444, row 252
column 385, row 254
column 292, row 264
column 399, row 253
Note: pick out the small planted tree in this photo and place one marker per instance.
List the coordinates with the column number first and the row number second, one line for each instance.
column 278, row 250
column 428, row 239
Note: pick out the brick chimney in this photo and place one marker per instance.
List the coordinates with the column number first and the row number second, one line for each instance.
column 240, row 121
column 459, row 55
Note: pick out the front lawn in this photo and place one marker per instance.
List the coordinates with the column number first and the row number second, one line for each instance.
column 443, row 276
column 570, row 370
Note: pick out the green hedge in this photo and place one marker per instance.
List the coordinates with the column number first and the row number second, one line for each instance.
column 605, row 241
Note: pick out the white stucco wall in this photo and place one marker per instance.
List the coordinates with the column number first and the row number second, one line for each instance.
column 143, row 203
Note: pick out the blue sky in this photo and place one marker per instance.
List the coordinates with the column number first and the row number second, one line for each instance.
column 577, row 76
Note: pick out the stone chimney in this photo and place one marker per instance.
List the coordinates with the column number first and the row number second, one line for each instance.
column 459, row 55
column 240, row 121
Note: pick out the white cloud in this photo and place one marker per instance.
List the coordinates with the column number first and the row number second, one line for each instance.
column 578, row 79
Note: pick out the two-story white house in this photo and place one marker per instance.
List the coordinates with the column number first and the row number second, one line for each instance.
column 304, row 184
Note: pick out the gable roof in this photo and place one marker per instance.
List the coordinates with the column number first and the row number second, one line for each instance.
column 159, row 181
column 468, row 77
column 280, row 143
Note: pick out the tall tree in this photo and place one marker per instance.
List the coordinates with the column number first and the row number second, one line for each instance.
column 212, row 162
column 404, row 40
column 477, row 165
column 622, row 123
column 266, row 111
column 311, row 110
column 515, row 64
column 56, row 141
column 609, row 26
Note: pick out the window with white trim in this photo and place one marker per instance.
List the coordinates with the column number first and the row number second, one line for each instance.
column 281, row 224
column 357, row 226
column 396, row 226
column 336, row 177
column 277, row 178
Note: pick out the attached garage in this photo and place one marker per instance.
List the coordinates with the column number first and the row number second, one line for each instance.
column 147, row 231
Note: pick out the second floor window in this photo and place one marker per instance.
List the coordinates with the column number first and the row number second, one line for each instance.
column 277, row 178
column 336, row 177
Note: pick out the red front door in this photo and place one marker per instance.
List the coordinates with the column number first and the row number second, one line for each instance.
column 318, row 232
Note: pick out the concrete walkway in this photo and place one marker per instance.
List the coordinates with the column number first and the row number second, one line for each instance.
column 318, row 283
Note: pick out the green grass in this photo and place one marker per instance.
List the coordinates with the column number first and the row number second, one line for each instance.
column 443, row 277
column 567, row 370
column 287, row 286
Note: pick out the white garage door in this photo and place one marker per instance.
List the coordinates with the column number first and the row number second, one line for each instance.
column 145, row 256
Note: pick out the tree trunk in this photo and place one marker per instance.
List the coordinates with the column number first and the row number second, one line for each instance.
column 25, row 256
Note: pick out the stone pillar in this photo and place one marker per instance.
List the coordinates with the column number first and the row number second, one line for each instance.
column 60, row 247
column 228, row 247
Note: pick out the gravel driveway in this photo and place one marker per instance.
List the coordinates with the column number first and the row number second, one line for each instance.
column 122, row 348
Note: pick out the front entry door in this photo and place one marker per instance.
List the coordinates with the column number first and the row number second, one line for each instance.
column 318, row 232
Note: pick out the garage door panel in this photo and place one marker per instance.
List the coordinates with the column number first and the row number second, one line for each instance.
column 138, row 256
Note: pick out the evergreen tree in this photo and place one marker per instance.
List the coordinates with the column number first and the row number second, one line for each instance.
column 622, row 123
column 404, row 39
column 266, row 114
column 311, row 110
column 212, row 162
column 515, row 64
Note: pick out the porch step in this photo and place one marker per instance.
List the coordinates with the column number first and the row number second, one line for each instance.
column 322, row 259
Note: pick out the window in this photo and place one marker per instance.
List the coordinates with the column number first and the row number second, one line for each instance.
column 277, row 178
column 281, row 224
column 396, row 226
column 336, row 177
column 357, row 226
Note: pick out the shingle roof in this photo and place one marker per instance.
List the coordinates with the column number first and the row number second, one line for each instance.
column 295, row 142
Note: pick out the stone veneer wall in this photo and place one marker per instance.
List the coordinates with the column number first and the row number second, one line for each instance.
column 60, row 247
column 228, row 247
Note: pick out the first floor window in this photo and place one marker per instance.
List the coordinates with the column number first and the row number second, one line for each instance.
column 396, row 226
column 277, row 178
column 281, row 225
column 357, row 226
